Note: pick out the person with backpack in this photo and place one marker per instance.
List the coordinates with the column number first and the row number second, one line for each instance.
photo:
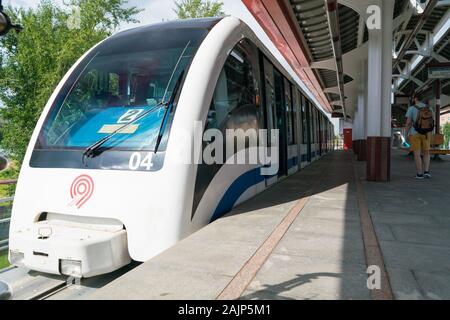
column 419, row 125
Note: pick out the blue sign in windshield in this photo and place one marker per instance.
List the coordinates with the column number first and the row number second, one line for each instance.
column 100, row 123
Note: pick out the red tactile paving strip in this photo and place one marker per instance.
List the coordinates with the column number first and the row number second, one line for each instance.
column 372, row 249
column 248, row 272
column 243, row 278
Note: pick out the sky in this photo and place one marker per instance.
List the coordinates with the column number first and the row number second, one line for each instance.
column 159, row 10
column 154, row 10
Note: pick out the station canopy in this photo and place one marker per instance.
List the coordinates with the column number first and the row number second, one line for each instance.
column 326, row 42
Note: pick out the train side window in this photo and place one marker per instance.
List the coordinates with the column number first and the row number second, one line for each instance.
column 298, row 116
column 313, row 107
column 313, row 122
column 294, row 111
column 289, row 112
column 303, row 117
column 319, row 126
column 234, row 103
column 321, row 129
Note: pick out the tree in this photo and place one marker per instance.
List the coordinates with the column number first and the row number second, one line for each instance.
column 186, row 9
column 33, row 62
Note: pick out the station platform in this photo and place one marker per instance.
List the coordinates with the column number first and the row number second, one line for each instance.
column 313, row 236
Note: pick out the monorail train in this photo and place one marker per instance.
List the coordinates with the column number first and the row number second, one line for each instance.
column 102, row 182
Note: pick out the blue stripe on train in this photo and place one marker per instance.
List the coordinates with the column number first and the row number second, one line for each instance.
column 292, row 162
column 237, row 188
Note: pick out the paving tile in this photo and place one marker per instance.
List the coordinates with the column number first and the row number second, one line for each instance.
column 312, row 245
column 429, row 258
column 330, row 213
column 209, row 255
column 435, row 286
column 338, row 204
column 307, row 278
column 404, row 219
column 422, row 235
column 384, row 232
column 329, row 227
column 404, row 284
column 163, row 282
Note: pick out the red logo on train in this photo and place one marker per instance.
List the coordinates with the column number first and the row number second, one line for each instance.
column 81, row 190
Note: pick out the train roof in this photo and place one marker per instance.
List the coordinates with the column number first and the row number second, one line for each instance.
column 201, row 23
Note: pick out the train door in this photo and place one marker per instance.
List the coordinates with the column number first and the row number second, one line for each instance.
column 290, row 128
column 308, row 131
column 281, row 122
column 270, row 111
column 314, row 149
column 304, row 138
column 319, row 120
column 312, row 121
column 298, row 125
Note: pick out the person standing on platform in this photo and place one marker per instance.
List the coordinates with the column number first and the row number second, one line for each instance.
column 419, row 125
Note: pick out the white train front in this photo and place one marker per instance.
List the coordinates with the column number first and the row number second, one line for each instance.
column 91, row 198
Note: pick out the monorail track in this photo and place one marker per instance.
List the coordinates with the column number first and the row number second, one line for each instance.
column 32, row 285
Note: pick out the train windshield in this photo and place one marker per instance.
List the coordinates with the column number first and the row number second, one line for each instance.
column 119, row 81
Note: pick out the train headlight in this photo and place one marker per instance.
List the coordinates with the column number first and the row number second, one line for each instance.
column 16, row 258
column 70, row 268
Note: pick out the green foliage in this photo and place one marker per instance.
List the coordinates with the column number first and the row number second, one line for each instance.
column 7, row 190
column 34, row 61
column 186, row 9
column 9, row 174
column 4, row 260
column 446, row 133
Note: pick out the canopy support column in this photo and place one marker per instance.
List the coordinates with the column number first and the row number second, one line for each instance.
column 379, row 97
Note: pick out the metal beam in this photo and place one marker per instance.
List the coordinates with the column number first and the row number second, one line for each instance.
column 361, row 31
column 332, row 11
column 418, row 27
column 436, row 55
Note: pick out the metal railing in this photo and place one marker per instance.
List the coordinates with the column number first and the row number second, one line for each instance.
column 4, row 242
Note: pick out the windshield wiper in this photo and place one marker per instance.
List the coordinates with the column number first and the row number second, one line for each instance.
column 168, row 107
column 90, row 151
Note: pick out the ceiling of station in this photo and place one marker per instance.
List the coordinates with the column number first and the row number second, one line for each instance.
column 399, row 7
column 311, row 16
column 442, row 48
column 312, row 19
column 348, row 24
column 326, row 41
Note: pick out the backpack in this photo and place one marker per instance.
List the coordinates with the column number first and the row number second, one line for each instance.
column 425, row 120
